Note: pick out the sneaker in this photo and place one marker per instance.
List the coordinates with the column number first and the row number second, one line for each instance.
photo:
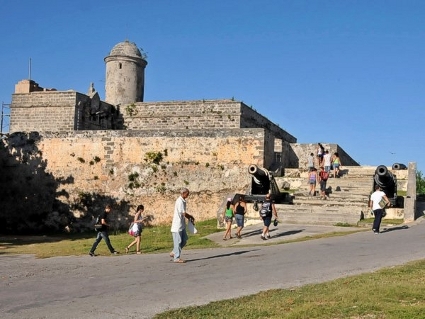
column 263, row 237
column 115, row 252
column 91, row 254
column 268, row 236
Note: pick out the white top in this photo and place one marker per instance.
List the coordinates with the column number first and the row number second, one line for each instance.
column 376, row 198
column 327, row 159
column 179, row 222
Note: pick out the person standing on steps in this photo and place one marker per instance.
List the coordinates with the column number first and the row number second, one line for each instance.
column 138, row 221
column 312, row 180
column 310, row 162
column 323, row 177
column 103, row 233
column 268, row 209
column 320, row 153
column 375, row 199
column 228, row 218
column 336, row 163
column 327, row 161
column 178, row 226
column 240, row 210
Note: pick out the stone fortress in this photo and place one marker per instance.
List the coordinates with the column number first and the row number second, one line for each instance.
column 131, row 152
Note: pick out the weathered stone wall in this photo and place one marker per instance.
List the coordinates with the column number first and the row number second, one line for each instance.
column 60, row 111
column 121, row 165
column 36, row 111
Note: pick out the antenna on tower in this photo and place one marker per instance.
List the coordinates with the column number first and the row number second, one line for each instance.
column 29, row 70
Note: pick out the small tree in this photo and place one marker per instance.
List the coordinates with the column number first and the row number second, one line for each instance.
column 420, row 183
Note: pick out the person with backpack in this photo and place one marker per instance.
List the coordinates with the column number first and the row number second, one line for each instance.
column 267, row 211
column 103, row 233
column 323, row 177
column 240, row 210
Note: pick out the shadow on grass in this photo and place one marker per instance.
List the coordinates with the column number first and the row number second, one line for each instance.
column 22, row 240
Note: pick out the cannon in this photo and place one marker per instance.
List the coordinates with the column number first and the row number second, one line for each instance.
column 387, row 182
column 262, row 183
column 398, row 166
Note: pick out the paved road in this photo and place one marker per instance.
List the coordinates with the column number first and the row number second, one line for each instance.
column 139, row 286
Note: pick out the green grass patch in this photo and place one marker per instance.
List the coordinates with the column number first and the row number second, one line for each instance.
column 156, row 239
column 384, row 222
column 393, row 293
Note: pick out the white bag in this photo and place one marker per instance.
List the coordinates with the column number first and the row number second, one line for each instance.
column 135, row 227
column 191, row 228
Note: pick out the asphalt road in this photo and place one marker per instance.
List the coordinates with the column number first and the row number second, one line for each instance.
column 140, row 286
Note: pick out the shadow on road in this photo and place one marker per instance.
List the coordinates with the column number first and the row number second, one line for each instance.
column 287, row 233
column 223, row 255
column 386, row 230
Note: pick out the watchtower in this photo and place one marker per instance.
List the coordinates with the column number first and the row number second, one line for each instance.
column 125, row 74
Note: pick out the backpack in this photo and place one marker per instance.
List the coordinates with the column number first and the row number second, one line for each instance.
column 98, row 224
column 266, row 209
column 324, row 175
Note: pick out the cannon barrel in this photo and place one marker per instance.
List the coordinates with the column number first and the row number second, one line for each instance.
column 387, row 182
column 262, row 183
column 398, row 166
column 261, row 180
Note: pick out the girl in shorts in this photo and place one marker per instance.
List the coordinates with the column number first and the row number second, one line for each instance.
column 228, row 217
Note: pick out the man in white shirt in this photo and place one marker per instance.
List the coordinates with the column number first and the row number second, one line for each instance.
column 178, row 227
column 375, row 199
column 327, row 161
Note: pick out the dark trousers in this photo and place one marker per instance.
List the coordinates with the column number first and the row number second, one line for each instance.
column 378, row 217
column 102, row 234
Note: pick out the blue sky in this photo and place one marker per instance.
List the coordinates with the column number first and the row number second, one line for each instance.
column 345, row 72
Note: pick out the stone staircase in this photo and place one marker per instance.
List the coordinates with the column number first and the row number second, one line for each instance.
column 347, row 203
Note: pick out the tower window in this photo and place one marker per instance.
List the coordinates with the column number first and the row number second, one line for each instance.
column 120, row 65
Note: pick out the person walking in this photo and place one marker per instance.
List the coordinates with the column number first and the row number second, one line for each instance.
column 240, row 210
column 323, row 177
column 103, row 233
column 312, row 180
column 268, row 209
column 178, row 226
column 137, row 229
column 378, row 202
column 228, row 218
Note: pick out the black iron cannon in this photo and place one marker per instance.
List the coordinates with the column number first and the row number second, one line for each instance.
column 262, row 183
column 399, row 166
column 387, row 182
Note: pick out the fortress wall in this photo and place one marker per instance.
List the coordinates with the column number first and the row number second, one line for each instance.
column 250, row 118
column 201, row 114
column 60, row 111
column 43, row 111
column 210, row 163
